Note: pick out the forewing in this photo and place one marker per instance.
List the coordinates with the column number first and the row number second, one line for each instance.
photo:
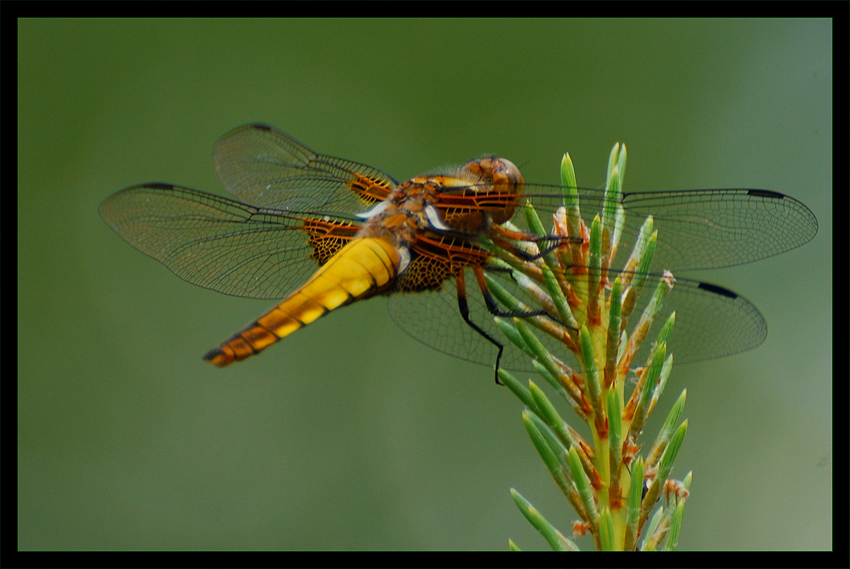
column 222, row 244
column 699, row 229
column 266, row 167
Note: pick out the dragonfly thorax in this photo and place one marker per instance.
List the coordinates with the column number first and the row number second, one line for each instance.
column 481, row 192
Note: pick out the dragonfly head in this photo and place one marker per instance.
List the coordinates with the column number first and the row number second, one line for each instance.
column 501, row 179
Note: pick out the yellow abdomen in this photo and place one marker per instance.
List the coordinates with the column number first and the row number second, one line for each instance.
column 363, row 268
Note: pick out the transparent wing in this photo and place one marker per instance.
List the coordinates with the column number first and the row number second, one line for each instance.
column 219, row 243
column 264, row 166
column 711, row 322
column 701, row 229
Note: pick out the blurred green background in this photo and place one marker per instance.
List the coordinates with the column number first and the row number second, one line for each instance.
column 350, row 435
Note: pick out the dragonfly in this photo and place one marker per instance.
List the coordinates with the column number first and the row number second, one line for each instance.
column 315, row 233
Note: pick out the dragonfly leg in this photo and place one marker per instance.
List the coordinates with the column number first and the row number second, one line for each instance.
column 525, row 255
column 504, row 238
column 463, row 306
column 493, row 306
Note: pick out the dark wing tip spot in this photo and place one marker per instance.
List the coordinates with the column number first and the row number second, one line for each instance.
column 718, row 290
column 160, row 186
column 766, row 194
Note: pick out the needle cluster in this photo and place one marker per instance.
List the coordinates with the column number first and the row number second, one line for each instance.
column 609, row 481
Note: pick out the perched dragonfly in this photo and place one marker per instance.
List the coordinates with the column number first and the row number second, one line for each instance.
column 322, row 232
